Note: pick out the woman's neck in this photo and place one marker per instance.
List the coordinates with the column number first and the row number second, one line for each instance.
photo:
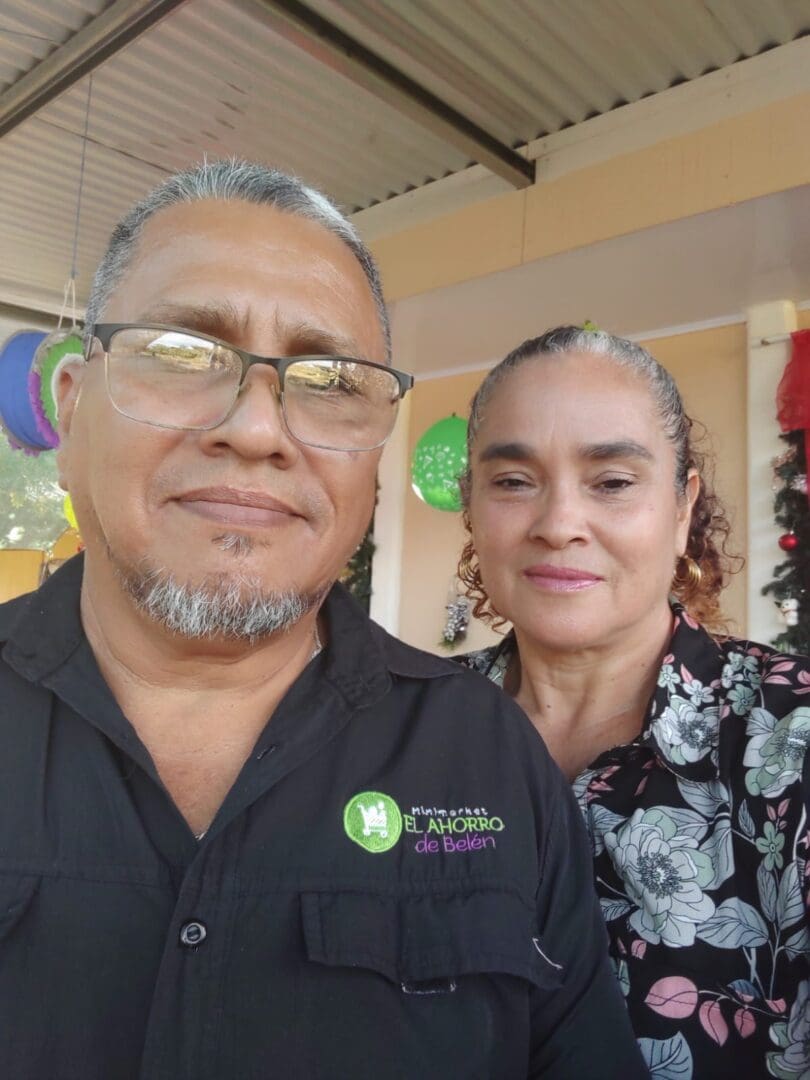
column 586, row 701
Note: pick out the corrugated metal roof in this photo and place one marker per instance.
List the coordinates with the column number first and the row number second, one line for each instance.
column 30, row 30
column 525, row 69
column 221, row 77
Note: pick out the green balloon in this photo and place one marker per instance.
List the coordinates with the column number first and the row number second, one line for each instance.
column 439, row 459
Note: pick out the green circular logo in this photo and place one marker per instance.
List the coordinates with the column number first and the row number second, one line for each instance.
column 373, row 821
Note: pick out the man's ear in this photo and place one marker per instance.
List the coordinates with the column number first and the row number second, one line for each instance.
column 66, row 389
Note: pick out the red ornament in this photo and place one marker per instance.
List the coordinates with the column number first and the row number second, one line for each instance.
column 788, row 541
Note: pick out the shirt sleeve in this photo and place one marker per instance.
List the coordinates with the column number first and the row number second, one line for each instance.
column 582, row 1029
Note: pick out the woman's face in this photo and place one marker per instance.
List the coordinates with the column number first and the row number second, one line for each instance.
column 574, row 512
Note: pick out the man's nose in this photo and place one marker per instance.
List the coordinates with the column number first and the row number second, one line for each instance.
column 256, row 427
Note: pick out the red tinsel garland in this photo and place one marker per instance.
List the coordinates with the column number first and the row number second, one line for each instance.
column 793, row 393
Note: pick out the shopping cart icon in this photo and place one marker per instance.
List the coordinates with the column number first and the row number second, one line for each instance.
column 375, row 819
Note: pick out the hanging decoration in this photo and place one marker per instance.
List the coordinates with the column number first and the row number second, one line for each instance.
column 439, row 460
column 790, row 588
column 17, row 413
column 456, row 623
column 30, row 361
column 56, row 349
column 70, row 513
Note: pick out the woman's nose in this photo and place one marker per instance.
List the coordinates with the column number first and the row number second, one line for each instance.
column 560, row 516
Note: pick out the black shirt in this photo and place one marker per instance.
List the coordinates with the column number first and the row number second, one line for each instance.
column 397, row 885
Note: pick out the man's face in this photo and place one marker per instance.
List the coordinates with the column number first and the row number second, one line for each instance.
column 245, row 501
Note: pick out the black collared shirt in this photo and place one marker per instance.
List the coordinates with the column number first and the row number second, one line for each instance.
column 397, row 885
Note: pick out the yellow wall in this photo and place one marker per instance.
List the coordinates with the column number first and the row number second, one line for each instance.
column 758, row 153
column 432, row 539
column 710, row 368
column 20, row 570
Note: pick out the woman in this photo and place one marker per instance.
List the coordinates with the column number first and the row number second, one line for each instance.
column 587, row 511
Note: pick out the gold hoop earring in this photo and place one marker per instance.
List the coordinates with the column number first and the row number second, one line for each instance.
column 688, row 575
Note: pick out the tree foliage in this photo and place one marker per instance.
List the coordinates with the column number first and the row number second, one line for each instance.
column 31, row 500
column 792, row 513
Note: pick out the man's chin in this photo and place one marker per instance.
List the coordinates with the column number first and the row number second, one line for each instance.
column 230, row 604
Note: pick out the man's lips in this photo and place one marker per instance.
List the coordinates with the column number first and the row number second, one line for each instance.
column 234, row 506
column 560, row 578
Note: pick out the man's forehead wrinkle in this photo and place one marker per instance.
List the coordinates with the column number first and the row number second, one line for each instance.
column 315, row 268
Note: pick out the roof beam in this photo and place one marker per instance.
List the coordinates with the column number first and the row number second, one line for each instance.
column 331, row 46
column 83, row 52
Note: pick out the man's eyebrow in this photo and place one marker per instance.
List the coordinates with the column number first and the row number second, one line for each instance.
column 310, row 339
column 220, row 319
column 621, row 448
column 511, row 451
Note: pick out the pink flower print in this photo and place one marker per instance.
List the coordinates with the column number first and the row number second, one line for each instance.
column 711, row 1018
column 673, row 996
column 744, row 1022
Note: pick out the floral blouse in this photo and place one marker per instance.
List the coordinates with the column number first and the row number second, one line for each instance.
column 701, row 847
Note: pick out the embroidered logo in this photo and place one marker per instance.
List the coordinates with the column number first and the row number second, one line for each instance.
column 459, row 829
column 373, row 821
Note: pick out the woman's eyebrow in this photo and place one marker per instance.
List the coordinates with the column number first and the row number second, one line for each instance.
column 621, row 448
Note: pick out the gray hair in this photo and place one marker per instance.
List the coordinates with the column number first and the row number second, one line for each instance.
column 624, row 353
column 230, row 179
column 235, row 609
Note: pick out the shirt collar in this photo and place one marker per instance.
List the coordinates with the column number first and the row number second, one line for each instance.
column 683, row 720
column 43, row 629
column 361, row 656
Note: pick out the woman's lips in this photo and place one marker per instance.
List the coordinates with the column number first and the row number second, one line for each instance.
column 560, row 578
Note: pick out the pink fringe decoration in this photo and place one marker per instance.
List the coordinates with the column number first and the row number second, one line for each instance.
column 44, row 427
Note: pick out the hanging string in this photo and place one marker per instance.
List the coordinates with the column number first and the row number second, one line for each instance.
column 69, row 296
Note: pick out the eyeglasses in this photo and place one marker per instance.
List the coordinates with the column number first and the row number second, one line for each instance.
column 172, row 378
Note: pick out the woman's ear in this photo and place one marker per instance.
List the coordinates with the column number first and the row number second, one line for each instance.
column 685, row 508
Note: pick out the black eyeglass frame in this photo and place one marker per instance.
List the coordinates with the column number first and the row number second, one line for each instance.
column 104, row 333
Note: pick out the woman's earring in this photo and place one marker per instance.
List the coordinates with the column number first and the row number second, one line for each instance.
column 688, row 575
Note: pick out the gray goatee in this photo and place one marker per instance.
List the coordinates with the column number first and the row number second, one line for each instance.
column 220, row 606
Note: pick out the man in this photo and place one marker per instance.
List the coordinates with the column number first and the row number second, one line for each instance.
column 245, row 832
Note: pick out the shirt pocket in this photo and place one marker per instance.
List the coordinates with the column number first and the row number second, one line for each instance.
column 428, row 938
column 456, row 971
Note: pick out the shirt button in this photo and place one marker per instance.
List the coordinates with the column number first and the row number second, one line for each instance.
column 193, row 934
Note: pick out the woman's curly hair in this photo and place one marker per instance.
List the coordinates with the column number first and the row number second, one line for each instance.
column 707, row 544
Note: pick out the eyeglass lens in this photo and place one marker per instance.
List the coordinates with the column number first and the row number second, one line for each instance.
column 175, row 379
